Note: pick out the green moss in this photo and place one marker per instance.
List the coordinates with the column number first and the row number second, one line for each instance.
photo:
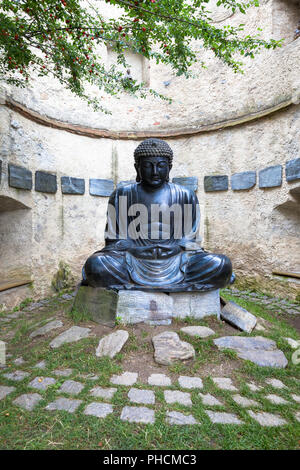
column 63, row 279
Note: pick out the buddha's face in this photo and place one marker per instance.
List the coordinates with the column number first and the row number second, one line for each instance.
column 154, row 171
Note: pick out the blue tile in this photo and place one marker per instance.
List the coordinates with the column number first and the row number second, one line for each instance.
column 190, row 182
column 244, row 180
column 215, row 183
column 45, row 182
column 19, row 177
column 72, row 185
column 292, row 170
column 101, row 187
column 270, row 177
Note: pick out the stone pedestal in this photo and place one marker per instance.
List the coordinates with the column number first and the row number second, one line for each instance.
column 154, row 308
column 196, row 304
column 148, row 307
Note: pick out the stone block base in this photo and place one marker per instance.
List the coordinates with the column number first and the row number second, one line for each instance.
column 196, row 304
column 154, row 308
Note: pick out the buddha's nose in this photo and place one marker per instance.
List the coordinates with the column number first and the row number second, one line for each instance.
column 154, row 170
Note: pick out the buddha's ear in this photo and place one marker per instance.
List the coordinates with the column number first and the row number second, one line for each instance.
column 138, row 177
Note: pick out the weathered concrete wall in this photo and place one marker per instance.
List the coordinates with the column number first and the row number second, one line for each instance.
column 258, row 228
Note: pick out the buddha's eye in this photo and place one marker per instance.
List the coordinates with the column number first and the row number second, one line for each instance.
column 162, row 164
column 147, row 165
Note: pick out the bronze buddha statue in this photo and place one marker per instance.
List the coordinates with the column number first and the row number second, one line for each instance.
column 151, row 234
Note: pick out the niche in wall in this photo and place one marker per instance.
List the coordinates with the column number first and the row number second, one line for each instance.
column 15, row 242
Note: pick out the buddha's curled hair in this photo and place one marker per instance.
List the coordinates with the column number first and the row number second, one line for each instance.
column 153, row 148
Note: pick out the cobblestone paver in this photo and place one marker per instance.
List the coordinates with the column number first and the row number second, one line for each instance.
column 267, row 419
column 127, row 378
column 65, row 404
column 222, row 417
column 4, row 391
column 190, row 382
column 161, row 380
column 71, row 387
column 137, row 414
column 62, row 372
column 17, row 375
column 100, row 392
column 42, row 383
column 145, row 397
column 100, row 410
column 176, row 396
column 175, row 417
column 245, row 402
column 253, row 387
column 276, row 383
column 277, row 400
column 28, row 401
column 209, row 399
column 224, row 383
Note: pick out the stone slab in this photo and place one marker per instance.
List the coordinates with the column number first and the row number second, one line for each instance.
column 111, row 344
column 101, row 187
column 97, row 303
column 75, row 333
column 244, row 401
column 294, row 344
column 176, row 396
column 4, row 391
column 72, row 387
column 138, row 414
column 127, row 378
column 292, row 169
column 52, row 325
column 253, row 387
column 257, row 349
column 19, row 177
column 276, row 383
column 198, row 331
column 224, row 383
column 175, row 417
column 168, row 348
column 154, row 308
column 72, row 185
column 267, row 419
column 160, row 380
column 295, row 397
column 277, row 400
column 196, row 304
column 243, row 181
column 270, row 177
column 215, row 183
column 40, row 365
column 28, row 401
column 62, row 372
column 145, row 397
column 208, row 399
column 238, row 316
column 17, row 375
column 223, row 417
column 19, row 361
column 42, row 383
column 45, row 182
column 190, row 182
column 297, row 416
column 66, row 404
column 190, row 382
column 100, row 410
column 106, row 393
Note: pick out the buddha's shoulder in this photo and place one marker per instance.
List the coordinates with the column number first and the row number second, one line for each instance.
column 182, row 190
column 124, row 188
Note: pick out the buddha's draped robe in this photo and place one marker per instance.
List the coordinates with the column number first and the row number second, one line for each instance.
column 178, row 264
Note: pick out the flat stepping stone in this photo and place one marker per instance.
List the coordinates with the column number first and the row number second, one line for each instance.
column 75, row 333
column 100, row 392
column 127, row 378
column 297, row 416
column 19, row 361
column 190, row 382
column 52, row 325
column 4, row 391
column 40, row 365
column 257, row 349
column 210, row 400
column 293, row 343
column 253, row 387
column 176, row 396
column 65, row 404
column 161, row 380
column 277, row 400
column 100, row 410
column 222, row 417
column 295, row 397
column 175, row 417
column 28, row 401
column 276, row 383
column 62, row 372
column 267, row 419
column 72, row 387
column 198, row 331
column 89, row 376
column 168, row 348
column 224, row 383
column 112, row 344
column 137, row 414
column 42, row 383
column 245, row 402
column 17, row 375
column 146, row 397
column 238, row 316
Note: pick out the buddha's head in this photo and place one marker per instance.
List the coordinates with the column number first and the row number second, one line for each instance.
column 153, row 162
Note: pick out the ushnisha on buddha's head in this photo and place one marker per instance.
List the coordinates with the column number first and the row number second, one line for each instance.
column 153, row 162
